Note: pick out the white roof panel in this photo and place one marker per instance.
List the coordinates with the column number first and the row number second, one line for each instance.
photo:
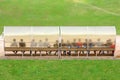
column 45, row 30
column 96, row 30
column 102, row 30
column 69, row 30
column 17, row 30
column 75, row 30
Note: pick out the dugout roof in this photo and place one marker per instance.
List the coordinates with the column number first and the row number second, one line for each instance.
column 95, row 30
column 49, row 30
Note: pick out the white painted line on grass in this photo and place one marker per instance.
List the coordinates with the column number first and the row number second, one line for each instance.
column 97, row 8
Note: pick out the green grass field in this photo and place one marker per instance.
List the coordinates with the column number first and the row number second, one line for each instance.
column 59, row 70
column 55, row 13
column 60, row 12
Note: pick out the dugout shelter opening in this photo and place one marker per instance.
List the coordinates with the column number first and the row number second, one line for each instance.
column 63, row 40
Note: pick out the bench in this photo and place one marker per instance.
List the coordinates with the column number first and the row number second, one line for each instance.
column 73, row 50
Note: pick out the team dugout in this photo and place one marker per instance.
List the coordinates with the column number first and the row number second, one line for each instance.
column 63, row 37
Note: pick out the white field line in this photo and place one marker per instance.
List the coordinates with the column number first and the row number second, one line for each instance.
column 101, row 9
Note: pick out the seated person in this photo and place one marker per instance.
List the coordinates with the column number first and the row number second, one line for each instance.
column 33, row 44
column 79, row 43
column 68, row 44
column 14, row 44
column 85, row 43
column 47, row 45
column 74, row 43
column 113, row 46
column 63, row 45
column 22, row 44
column 56, row 46
column 90, row 43
column 99, row 44
column 40, row 44
column 108, row 43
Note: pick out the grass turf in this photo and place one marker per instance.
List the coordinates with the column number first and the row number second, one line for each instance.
column 59, row 70
column 59, row 12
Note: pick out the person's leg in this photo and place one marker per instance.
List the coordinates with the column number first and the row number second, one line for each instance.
column 107, row 52
column 64, row 52
column 40, row 52
column 82, row 52
column 50, row 52
column 70, row 52
column 95, row 52
column 99, row 51
column 46, row 52
column 35, row 52
column 15, row 52
column 55, row 52
column 30, row 52
column 23, row 52
column 113, row 52
column 103, row 52
column 88, row 51
column 79, row 52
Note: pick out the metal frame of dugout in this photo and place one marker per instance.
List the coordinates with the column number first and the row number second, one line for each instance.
column 62, row 34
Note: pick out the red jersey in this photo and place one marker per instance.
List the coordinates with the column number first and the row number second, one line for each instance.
column 112, row 46
column 79, row 44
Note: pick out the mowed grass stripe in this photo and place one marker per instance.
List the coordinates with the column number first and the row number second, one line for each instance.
column 59, row 69
column 60, row 12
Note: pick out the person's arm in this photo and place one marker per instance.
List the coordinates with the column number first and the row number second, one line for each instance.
column 11, row 45
column 24, row 44
column 19, row 44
